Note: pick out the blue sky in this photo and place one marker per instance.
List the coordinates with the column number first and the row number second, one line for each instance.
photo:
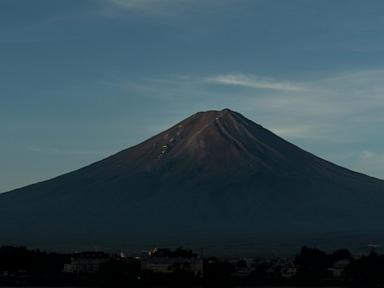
column 82, row 79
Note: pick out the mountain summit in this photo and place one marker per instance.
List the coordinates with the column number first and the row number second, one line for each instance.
column 214, row 177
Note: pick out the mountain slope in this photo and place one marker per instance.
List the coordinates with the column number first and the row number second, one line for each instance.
column 215, row 175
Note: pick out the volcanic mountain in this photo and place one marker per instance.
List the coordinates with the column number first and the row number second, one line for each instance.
column 212, row 178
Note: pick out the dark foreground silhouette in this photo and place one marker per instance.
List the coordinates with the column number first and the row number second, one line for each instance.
column 311, row 266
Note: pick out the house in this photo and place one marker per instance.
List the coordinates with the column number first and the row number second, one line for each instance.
column 86, row 262
column 243, row 267
column 288, row 270
column 281, row 268
column 166, row 262
column 338, row 269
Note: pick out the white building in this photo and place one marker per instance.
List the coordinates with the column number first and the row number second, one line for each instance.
column 338, row 269
column 159, row 262
column 86, row 262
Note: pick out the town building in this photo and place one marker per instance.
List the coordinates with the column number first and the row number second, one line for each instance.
column 338, row 269
column 86, row 262
column 163, row 261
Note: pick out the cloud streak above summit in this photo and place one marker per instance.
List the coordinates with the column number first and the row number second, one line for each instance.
column 253, row 81
column 147, row 7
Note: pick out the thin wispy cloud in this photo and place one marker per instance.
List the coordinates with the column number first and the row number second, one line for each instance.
column 370, row 162
column 66, row 152
column 142, row 3
column 253, row 81
column 152, row 7
column 292, row 132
